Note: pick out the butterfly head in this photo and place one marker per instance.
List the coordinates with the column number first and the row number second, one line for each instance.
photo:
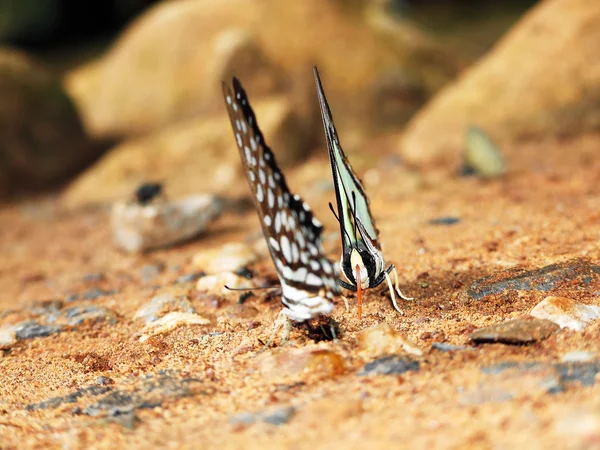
column 360, row 264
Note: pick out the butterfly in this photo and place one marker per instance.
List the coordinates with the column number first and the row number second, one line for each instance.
column 293, row 234
column 362, row 261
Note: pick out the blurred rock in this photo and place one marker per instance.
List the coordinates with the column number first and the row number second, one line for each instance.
column 43, row 140
column 199, row 155
column 481, row 156
column 160, row 305
column 510, row 92
column 301, row 363
column 517, row 331
column 147, row 81
column 566, row 312
column 276, row 416
column 389, row 365
column 381, row 340
column 170, row 322
column 162, row 223
column 229, row 258
column 8, row 337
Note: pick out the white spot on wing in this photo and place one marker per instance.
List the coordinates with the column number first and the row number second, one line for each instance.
column 262, row 176
column 274, row 243
column 314, row 265
column 239, row 139
column 270, row 198
column 295, row 252
column 267, row 220
column 278, row 222
column 311, row 278
column 286, row 248
column 228, row 98
column 259, row 193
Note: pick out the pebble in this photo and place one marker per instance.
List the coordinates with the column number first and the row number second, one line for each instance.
column 577, row 273
column 77, row 315
column 389, row 365
column 481, row 155
column 170, row 322
column 277, row 416
column 517, row 331
column 150, row 271
column 381, row 339
column 159, row 305
column 95, row 293
column 448, row 220
column 138, row 227
column 444, row 347
column 287, row 363
column 229, row 258
column 215, row 284
column 190, row 277
column 8, row 337
column 566, row 312
column 579, row 356
column 32, row 329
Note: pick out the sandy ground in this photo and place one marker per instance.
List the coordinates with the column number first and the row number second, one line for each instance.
column 189, row 386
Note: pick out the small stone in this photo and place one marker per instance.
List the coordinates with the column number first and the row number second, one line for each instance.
column 190, row 277
column 579, row 356
column 517, row 331
column 444, row 347
column 481, row 155
column 300, row 363
column 584, row 373
column 137, row 227
column 381, row 339
column 578, row 273
column 170, row 322
column 8, row 337
column 389, row 365
column 215, row 284
column 229, row 258
column 161, row 304
column 88, row 313
column 448, row 220
column 566, row 312
column 95, row 293
column 104, row 381
column 31, row 329
column 150, row 271
column 280, row 416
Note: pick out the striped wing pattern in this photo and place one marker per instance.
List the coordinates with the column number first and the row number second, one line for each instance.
column 292, row 232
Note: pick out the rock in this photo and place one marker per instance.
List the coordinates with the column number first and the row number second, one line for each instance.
column 170, row 322
column 150, row 271
column 566, row 312
column 160, row 224
column 229, row 258
column 190, row 277
column 517, row 331
column 215, row 284
column 93, row 294
column 129, row 92
column 579, row 356
column 302, row 363
column 482, row 156
column 77, row 315
column 161, row 304
column 532, row 103
column 172, row 155
column 383, row 340
column 569, row 373
column 278, row 416
column 31, row 329
column 448, row 220
column 444, row 347
column 43, row 140
column 8, row 337
column 389, row 365
column 575, row 273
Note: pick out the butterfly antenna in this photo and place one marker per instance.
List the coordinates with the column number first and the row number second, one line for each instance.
column 340, row 222
column 258, row 288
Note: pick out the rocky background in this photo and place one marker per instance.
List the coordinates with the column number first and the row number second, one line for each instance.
column 474, row 125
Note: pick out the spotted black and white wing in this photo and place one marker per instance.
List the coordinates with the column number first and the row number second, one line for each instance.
column 293, row 234
column 348, row 188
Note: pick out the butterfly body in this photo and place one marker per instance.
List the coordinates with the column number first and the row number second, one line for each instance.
column 362, row 261
column 292, row 233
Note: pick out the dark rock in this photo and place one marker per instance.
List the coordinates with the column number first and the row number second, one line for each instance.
column 104, row 381
column 92, row 313
column 46, row 307
column 448, row 220
column 389, row 365
column 244, row 272
column 95, row 293
column 518, row 331
column 32, row 329
column 576, row 272
column 190, row 277
column 55, row 402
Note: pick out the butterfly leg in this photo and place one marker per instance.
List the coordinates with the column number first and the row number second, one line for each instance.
column 391, row 288
column 283, row 320
column 346, row 304
column 402, row 296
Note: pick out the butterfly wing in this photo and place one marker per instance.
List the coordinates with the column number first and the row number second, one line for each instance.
column 351, row 199
column 292, row 232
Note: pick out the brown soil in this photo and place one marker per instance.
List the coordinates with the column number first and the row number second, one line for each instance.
column 545, row 210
